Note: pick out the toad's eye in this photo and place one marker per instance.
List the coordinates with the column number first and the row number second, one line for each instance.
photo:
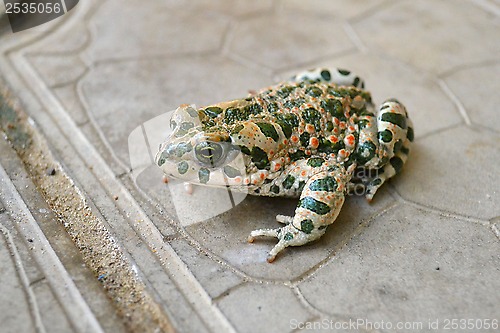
column 209, row 153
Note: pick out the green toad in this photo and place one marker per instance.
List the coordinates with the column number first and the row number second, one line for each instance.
column 316, row 136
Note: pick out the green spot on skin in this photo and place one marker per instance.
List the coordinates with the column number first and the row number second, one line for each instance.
column 163, row 158
column 304, row 139
column 285, row 91
column 385, row 135
column 173, row 124
column 259, row 158
column 183, row 148
column 356, row 81
column 313, row 117
column 394, row 118
column 325, row 75
column 314, row 91
column 365, row 152
column 268, row 130
column 234, row 114
column 288, row 182
column 299, row 154
column 328, row 147
column 315, row 162
column 294, row 103
column 366, row 96
column 289, row 118
column 327, row 184
column 329, row 126
column 182, row 167
column 376, row 182
column 410, row 134
column 398, row 145
column 314, row 205
column 231, row 172
column 344, row 72
column 272, row 107
column 302, row 183
column 286, row 128
column 396, row 163
column 245, row 150
column 275, row 189
column 204, row 175
column 405, row 150
column 213, row 111
column 253, row 109
column 183, row 129
column 288, row 236
column 306, row 226
column 333, row 106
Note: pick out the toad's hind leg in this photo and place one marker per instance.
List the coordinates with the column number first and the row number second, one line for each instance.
column 394, row 136
column 319, row 205
column 338, row 76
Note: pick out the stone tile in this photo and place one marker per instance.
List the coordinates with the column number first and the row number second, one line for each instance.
column 386, row 78
column 52, row 313
column 285, row 40
column 70, row 101
column 432, row 35
column 66, row 41
column 333, row 8
column 57, row 70
column 15, row 314
column 152, row 87
column 403, row 268
column 215, row 278
column 24, row 247
column 169, row 31
column 477, row 89
column 226, row 235
column 262, row 308
column 456, row 171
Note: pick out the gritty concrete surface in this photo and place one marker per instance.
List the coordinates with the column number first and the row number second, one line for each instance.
column 100, row 246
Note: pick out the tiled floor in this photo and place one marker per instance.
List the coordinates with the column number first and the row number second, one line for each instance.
column 426, row 249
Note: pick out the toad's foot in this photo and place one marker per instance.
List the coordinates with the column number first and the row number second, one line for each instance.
column 287, row 236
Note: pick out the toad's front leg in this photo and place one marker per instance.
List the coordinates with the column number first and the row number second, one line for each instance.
column 319, row 205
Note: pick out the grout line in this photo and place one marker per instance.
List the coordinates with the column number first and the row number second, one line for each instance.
column 488, row 6
column 455, row 100
column 468, row 66
column 302, row 299
column 438, row 211
column 32, row 303
column 61, row 282
column 495, row 230
column 355, row 39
